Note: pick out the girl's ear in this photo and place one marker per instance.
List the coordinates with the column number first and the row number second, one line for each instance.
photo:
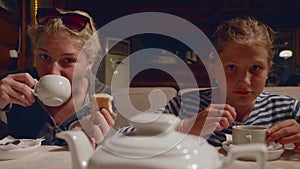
column 270, row 66
column 90, row 64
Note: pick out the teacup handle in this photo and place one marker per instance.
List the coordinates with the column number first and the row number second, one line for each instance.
column 249, row 137
column 257, row 150
column 33, row 90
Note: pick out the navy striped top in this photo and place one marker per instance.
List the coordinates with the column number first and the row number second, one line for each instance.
column 269, row 109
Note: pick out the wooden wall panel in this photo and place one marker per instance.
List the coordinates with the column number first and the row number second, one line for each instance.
column 9, row 33
column 12, row 17
column 10, row 23
column 6, row 61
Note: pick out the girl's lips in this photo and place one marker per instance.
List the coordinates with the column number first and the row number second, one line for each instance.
column 242, row 92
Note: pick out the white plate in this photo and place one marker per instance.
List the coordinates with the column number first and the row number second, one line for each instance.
column 24, row 148
column 273, row 154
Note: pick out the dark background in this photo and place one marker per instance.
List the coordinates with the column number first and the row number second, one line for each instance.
column 282, row 15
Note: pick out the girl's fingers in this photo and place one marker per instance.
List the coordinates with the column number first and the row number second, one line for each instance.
column 281, row 125
column 104, row 126
column 110, row 121
column 16, row 89
column 95, row 131
column 23, row 91
column 98, row 135
column 218, row 123
column 284, row 131
column 209, row 128
column 224, row 107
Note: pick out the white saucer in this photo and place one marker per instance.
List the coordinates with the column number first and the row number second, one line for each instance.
column 24, row 148
column 273, row 154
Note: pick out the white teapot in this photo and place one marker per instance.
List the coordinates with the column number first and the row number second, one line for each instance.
column 155, row 144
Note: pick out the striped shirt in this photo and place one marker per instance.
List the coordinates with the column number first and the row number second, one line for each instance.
column 269, row 109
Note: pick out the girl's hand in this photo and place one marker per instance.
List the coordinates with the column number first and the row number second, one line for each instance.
column 216, row 117
column 96, row 130
column 16, row 89
column 287, row 131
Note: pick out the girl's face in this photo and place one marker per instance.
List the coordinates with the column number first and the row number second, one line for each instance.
column 246, row 69
column 59, row 55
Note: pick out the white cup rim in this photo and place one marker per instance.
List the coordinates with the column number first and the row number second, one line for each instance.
column 249, row 127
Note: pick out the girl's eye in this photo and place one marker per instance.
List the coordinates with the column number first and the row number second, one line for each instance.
column 255, row 68
column 231, row 67
column 44, row 57
column 69, row 60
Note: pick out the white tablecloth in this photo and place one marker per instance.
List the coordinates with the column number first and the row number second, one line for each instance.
column 288, row 160
column 54, row 157
column 46, row 157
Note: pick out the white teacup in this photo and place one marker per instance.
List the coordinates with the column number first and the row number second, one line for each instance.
column 53, row 90
column 243, row 134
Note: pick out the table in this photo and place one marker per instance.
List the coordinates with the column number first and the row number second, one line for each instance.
column 55, row 157
column 46, row 157
column 288, row 160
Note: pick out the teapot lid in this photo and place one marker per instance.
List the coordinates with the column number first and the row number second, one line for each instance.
column 154, row 144
column 155, row 134
column 141, row 146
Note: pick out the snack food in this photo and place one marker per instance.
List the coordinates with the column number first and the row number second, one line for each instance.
column 102, row 100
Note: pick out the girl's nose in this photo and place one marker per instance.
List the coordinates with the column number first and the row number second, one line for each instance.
column 54, row 68
column 244, row 79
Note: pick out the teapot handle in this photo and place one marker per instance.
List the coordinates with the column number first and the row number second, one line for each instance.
column 258, row 150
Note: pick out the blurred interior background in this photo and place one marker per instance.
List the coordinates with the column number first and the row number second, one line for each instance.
column 282, row 15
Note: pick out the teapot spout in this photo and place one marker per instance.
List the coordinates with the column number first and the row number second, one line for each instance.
column 80, row 147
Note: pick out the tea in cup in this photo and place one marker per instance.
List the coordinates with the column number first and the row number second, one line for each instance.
column 243, row 134
column 52, row 90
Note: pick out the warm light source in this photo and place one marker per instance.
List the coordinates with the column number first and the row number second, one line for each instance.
column 286, row 54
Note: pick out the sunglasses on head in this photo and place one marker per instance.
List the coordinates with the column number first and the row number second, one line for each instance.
column 73, row 21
